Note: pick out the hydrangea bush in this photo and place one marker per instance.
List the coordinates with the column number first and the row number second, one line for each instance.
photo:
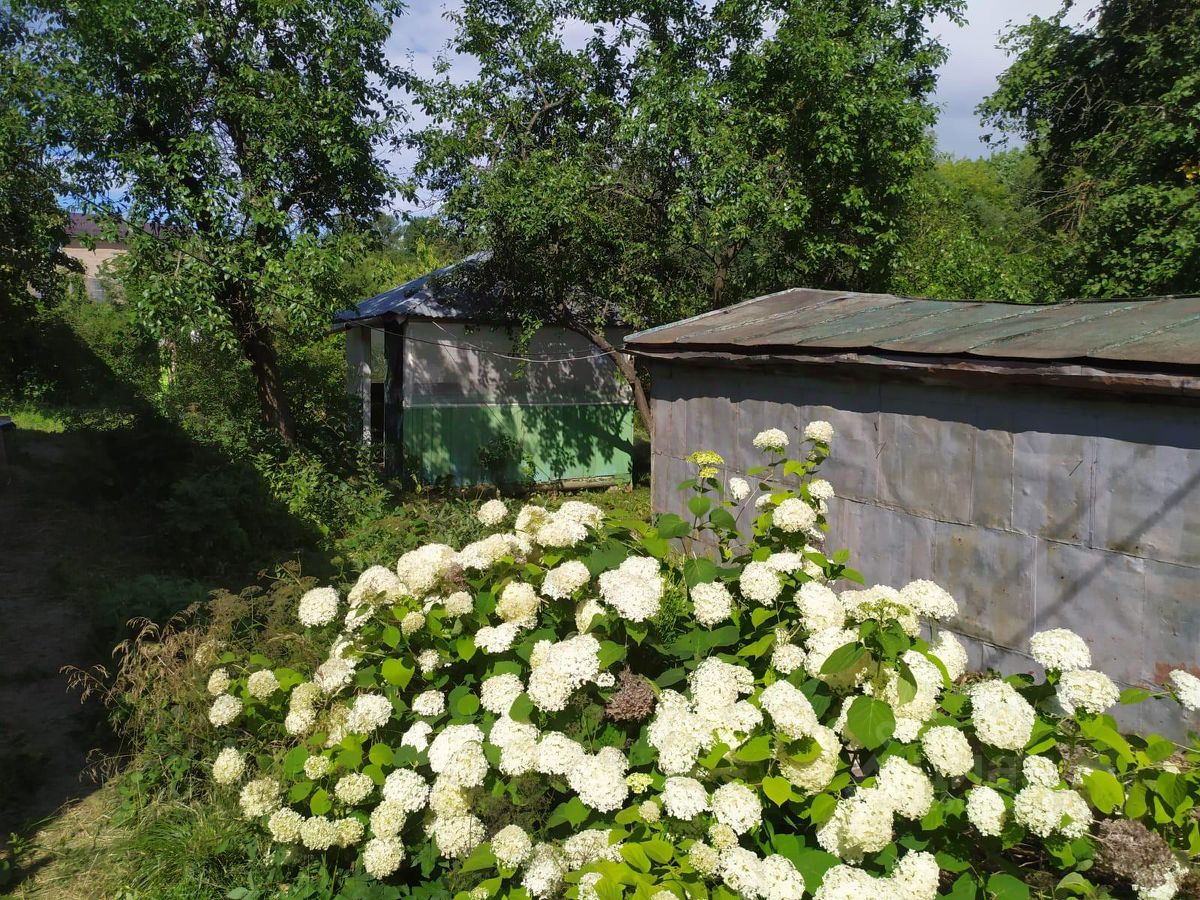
column 706, row 707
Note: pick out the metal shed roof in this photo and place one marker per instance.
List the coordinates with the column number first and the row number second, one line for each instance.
column 432, row 296
column 1155, row 334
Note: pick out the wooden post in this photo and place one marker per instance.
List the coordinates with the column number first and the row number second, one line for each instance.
column 358, row 373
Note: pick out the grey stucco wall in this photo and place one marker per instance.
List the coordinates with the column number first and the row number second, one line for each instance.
column 1036, row 507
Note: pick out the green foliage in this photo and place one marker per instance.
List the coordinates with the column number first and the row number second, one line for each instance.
column 245, row 139
column 685, row 156
column 1110, row 111
column 972, row 230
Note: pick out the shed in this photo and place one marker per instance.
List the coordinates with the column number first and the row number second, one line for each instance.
column 1042, row 462
column 446, row 386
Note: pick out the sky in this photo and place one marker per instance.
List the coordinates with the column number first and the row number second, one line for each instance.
column 968, row 76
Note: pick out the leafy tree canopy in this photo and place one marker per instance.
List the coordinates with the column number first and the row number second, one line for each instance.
column 681, row 155
column 246, row 137
column 1112, row 114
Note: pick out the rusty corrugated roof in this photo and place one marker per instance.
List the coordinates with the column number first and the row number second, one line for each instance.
column 1146, row 334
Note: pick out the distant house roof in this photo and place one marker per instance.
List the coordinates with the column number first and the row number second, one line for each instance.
column 436, row 295
column 1157, row 334
column 81, row 226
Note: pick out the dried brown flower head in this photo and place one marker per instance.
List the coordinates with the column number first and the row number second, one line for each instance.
column 633, row 701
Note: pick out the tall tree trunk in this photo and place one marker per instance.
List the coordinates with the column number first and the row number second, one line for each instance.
column 254, row 338
column 625, row 366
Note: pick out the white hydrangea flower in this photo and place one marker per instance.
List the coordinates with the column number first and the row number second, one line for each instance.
column 684, row 798
column 1046, row 811
column 760, row 583
column 412, row 623
column 300, row 721
column 737, row 806
column 530, row 518
column 763, row 501
column 317, row 766
column 382, row 856
column 568, row 665
column 780, row 879
column 429, row 661
column 558, row 754
column 929, row 600
column 407, row 789
column 848, row 883
column 564, row 580
column 789, row 709
column 819, row 607
column 599, row 780
column 906, row 787
column 986, row 810
column 1061, row 649
column 458, row 836
column 559, row 531
column 588, row 846
column 881, row 602
column 511, row 846
column 497, row 693
column 712, row 603
column 586, row 613
column 1087, row 689
column 819, row 431
column 369, row 713
column 318, row 607
column 334, row 674
column 916, row 876
column 738, row 489
column 468, row 767
column 704, row 859
column 354, row 788
column 447, row 799
column 387, row 819
column 417, row 736
column 284, row 826
column 814, row 776
column 451, row 739
column 228, row 767
column 1040, row 771
column 262, row 685
column 377, row 585
column 349, row 831
column 948, row 751
column 544, row 872
column 459, row 603
column 498, row 638
column 421, row 569
column 259, row 797
column 518, row 602
column 492, row 513
column 861, row 823
column 821, row 490
column 741, row 872
column 794, row 515
column 429, row 703
column 584, row 513
column 1187, row 689
column 650, row 811
column 820, row 646
column 634, row 589
column 1002, row 717
column 481, row 555
column 224, row 710
column 772, row 440
column 218, row 682
column 787, row 658
column 950, row 651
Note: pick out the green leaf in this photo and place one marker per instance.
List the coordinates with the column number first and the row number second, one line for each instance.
column 965, row 887
column 714, row 756
column 293, row 763
column 572, row 812
column 699, row 570
column 779, row 789
column 607, row 556
column 723, row 518
column 810, row 862
column 467, row 705
column 671, row 676
column 320, row 803
column 659, row 851
column 699, row 504
column 656, row 546
column 610, row 652
column 1104, row 790
column 522, row 708
column 300, row 790
column 759, row 647
column 636, row 857
column 822, row 808
column 1005, row 887
column 669, row 525
column 870, row 721
column 1076, row 884
column 755, row 750
column 845, row 657
column 397, row 673
column 1134, row 695
column 481, row 858
column 381, row 754
column 391, row 636
column 466, row 647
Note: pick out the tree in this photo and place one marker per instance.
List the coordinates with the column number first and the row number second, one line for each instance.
column 682, row 155
column 1111, row 112
column 32, row 226
column 239, row 141
column 973, row 230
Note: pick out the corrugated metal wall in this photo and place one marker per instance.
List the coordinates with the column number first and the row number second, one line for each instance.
column 1036, row 507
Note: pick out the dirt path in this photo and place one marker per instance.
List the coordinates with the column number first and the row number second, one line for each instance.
column 49, row 543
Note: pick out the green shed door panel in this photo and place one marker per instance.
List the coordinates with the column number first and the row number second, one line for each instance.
column 557, row 442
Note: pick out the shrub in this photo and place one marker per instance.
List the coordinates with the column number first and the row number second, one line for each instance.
column 579, row 707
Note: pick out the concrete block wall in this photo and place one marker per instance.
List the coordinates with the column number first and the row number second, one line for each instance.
column 1036, row 507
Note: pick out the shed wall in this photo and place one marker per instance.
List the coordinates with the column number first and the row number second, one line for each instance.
column 1037, row 508
column 571, row 417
